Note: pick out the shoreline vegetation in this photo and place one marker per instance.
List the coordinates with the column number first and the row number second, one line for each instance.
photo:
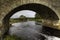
column 13, row 37
column 24, row 20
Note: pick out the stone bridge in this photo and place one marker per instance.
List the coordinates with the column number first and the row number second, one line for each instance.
column 48, row 9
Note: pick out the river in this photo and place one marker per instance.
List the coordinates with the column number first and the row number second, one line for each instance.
column 30, row 31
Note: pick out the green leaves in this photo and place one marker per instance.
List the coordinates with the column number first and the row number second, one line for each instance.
column 12, row 37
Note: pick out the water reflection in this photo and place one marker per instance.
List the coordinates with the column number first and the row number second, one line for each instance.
column 30, row 31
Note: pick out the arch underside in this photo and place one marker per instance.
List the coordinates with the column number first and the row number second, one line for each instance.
column 44, row 11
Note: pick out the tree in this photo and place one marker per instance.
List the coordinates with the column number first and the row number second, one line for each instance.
column 37, row 16
column 23, row 18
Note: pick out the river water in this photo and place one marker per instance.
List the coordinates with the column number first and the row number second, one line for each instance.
column 30, row 30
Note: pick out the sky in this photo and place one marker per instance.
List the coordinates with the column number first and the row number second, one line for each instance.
column 27, row 13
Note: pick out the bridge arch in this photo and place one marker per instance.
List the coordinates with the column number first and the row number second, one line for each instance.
column 44, row 11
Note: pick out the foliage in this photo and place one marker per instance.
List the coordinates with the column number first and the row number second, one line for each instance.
column 37, row 16
column 22, row 16
column 12, row 37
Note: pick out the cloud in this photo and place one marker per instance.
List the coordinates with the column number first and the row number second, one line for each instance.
column 26, row 13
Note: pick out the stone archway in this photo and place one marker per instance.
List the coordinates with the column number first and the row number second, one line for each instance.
column 8, row 5
column 44, row 11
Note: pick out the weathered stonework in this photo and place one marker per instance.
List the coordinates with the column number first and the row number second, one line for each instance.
column 7, row 5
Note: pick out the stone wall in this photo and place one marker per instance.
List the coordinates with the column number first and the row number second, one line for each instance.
column 7, row 5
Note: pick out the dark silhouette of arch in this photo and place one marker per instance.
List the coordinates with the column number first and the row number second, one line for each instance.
column 44, row 11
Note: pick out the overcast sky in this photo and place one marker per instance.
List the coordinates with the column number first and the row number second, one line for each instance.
column 26, row 13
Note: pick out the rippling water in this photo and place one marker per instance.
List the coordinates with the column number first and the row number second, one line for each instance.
column 30, row 30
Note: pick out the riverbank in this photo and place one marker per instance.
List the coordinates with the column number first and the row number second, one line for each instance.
column 12, row 37
column 19, row 20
